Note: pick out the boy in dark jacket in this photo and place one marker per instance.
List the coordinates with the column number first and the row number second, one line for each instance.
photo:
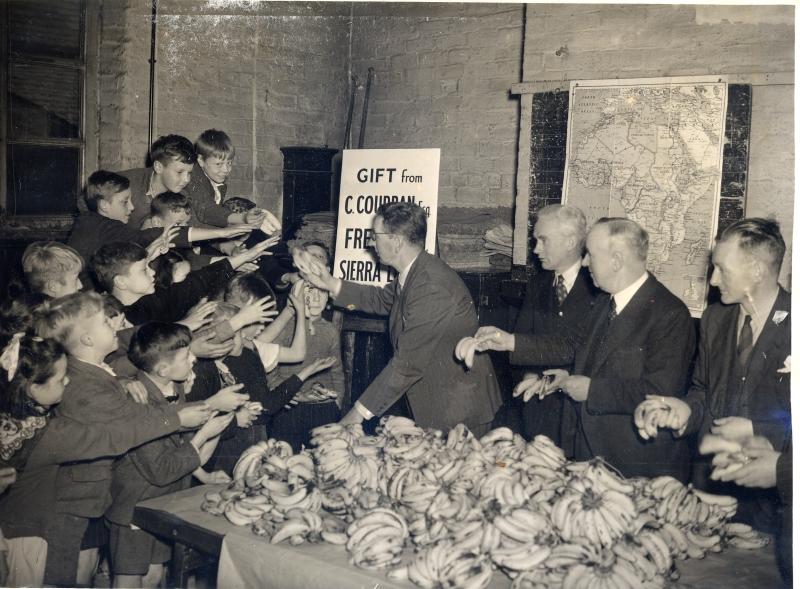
column 161, row 353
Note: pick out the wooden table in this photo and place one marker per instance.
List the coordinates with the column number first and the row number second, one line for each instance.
column 251, row 561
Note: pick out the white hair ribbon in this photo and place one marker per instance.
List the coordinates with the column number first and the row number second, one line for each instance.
column 10, row 356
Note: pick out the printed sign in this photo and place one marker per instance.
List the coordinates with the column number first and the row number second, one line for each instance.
column 371, row 177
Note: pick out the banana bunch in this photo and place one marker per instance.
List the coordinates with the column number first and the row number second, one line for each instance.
column 461, row 440
column 322, row 433
column 304, row 496
column 599, row 516
column 504, row 445
column 299, row 525
column 505, row 486
column 743, row 536
column 395, row 427
column 542, row 451
column 357, row 467
column 684, row 506
column 243, row 511
column 411, row 488
column 444, row 565
column 377, row 539
column 605, row 570
column 598, row 472
column 265, row 459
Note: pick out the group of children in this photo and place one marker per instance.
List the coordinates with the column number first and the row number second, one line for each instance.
column 141, row 358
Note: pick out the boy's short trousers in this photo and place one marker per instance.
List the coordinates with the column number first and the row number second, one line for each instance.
column 133, row 551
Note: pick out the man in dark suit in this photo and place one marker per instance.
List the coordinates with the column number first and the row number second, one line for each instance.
column 740, row 384
column 639, row 341
column 430, row 309
column 557, row 300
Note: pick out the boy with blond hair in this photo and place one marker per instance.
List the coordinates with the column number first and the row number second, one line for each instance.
column 52, row 268
column 207, row 186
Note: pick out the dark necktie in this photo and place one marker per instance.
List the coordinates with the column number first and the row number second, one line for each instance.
column 745, row 342
column 223, row 191
column 612, row 310
column 561, row 290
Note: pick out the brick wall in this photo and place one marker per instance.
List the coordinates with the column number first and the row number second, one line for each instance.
column 442, row 75
column 581, row 41
column 122, row 85
column 269, row 74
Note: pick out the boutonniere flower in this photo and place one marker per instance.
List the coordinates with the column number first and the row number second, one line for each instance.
column 779, row 316
column 787, row 366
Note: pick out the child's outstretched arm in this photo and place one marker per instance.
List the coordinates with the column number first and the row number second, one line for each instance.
column 297, row 351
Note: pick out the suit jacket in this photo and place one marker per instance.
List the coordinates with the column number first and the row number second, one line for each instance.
column 140, row 184
column 647, row 351
column 540, row 314
column 92, row 397
column 205, row 210
column 764, row 395
column 157, row 468
column 25, row 509
column 427, row 318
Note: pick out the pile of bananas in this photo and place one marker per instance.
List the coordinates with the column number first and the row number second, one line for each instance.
column 469, row 506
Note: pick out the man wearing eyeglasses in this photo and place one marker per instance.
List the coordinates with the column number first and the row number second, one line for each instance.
column 430, row 310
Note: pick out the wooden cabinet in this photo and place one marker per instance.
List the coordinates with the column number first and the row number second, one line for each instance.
column 306, row 183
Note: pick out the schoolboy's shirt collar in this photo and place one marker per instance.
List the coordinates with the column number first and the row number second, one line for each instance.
column 168, row 390
column 102, row 365
column 215, row 186
column 150, row 192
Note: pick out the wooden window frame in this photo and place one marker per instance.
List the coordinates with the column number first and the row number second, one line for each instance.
column 87, row 65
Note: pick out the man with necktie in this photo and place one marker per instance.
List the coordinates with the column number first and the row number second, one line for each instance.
column 740, row 383
column 430, row 310
column 557, row 300
column 639, row 341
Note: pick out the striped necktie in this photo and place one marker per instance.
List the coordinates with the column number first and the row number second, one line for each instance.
column 561, row 290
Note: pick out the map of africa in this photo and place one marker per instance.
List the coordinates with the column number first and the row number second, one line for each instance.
column 652, row 152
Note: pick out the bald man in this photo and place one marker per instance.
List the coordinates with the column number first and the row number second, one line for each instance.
column 639, row 341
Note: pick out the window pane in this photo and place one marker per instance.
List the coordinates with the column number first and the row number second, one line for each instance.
column 43, row 180
column 45, row 28
column 45, row 102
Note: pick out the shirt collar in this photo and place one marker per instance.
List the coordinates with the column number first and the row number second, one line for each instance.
column 168, row 390
column 401, row 278
column 759, row 318
column 102, row 365
column 623, row 297
column 150, row 193
column 570, row 275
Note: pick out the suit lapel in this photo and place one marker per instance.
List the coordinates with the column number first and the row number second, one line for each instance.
column 768, row 343
column 397, row 314
column 630, row 319
column 587, row 358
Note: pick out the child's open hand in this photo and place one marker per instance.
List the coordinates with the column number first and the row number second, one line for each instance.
column 297, row 297
column 259, row 311
column 203, row 347
column 255, row 252
column 316, row 366
column 162, row 244
column 199, row 315
column 234, row 230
